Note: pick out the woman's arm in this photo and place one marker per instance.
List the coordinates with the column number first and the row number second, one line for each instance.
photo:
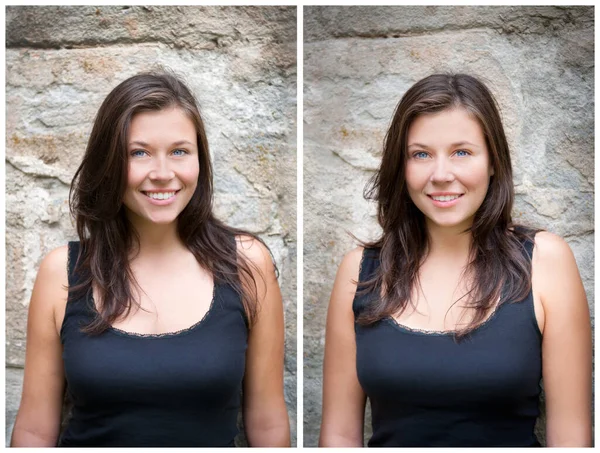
column 38, row 420
column 342, row 423
column 265, row 414
column 566, row 344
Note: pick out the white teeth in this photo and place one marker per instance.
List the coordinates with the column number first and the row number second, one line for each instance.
column 446, row 197
column 160, row 195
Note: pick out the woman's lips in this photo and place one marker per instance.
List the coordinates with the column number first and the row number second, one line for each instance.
column 161, row 197
column 445, row 200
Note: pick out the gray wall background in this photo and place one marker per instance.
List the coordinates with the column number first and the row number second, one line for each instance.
column 60, row 64
column 359, row 61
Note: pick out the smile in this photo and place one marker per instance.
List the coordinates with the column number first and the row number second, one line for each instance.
column 161, row 195
column 445, row 201
column 445, row 197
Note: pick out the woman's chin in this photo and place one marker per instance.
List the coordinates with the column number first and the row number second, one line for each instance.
column 450, row 223
column 146, row 221
column 162, row 221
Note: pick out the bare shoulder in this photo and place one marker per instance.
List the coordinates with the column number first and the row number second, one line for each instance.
column 53, row 268
column 556, row 274
column 265, row 279
column 552, row 257
column 254, row 249
column 350, row 265
column 551, row 248
column 256, row 252
column 344, row 287
column 354, row 256
column 50, row 291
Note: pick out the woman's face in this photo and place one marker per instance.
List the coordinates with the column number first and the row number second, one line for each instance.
column 163, row 166
column 448, row 168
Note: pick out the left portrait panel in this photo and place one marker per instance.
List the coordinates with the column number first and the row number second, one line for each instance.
column 151, row 226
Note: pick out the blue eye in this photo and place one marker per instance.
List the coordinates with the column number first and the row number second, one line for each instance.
column 420, row 155
column 138, row 153
column 461, row 153
column 179, row 152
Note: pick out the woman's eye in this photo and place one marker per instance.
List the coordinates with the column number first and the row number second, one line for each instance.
column 138, row 153
column 420, row 155
column 461, row 153
column 179, row 152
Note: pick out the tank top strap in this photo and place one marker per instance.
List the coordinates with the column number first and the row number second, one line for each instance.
column 73, row 255
column 369, row 264
column 78, row 301
column 78, row 310
column 528, row 247
column 527, row 251
column 226, row 297
column 527, row 240
column 512, row 313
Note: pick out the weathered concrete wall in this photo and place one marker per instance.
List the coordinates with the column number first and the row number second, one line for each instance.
column 359, row 61
column 60, row 64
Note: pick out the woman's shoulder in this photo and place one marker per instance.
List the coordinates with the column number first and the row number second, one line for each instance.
column 351, row 263
column 539, row 243
column 362, row 256
column 51, row 285
column 545, row 248
column 254, row 250
column 555, row 270
column 55, row 263
column 353, row 257
column 551, row 248
column 346, row 280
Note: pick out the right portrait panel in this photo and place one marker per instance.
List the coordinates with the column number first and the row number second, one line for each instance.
column 448, row 226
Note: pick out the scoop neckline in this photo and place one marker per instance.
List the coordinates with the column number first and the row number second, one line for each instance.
column 442, row 333
column 431, row 332
column 156, row 336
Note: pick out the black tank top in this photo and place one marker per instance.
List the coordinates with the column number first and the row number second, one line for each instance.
column 427, row 390
column 177, row 389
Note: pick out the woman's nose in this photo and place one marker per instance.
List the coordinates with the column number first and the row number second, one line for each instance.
column 161, row 170
column 442, row 171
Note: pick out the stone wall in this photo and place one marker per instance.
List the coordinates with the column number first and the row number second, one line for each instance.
column 60, row 64
column 359, row 61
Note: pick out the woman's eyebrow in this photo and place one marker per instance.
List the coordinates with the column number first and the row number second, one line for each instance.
column 139, row 142
column 177, row 143
column 182, row 142
column 420, row 145
column 453, row 145
column 463, row 143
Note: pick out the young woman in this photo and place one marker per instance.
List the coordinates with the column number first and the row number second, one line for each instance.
column 154, row 321
column 448, row 322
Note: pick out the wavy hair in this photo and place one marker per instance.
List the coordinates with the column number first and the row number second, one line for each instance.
column 498, row 266
column 96, row 203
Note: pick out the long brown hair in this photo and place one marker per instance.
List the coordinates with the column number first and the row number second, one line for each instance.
column 498, row 266
column 96, row 202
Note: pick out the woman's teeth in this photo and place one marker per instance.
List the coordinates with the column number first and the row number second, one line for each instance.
column 446, row 197
column 160, row 195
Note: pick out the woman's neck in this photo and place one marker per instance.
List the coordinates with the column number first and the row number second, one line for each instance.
column 453, row 243
column 156, row 239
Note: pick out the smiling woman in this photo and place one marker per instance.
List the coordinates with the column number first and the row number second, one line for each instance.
column 444, row 320
column 448, row 165
column 158, row 317
column 163, row 166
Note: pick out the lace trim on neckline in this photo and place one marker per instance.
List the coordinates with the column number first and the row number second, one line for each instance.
column 431, row 332
column 176, row 333
column 444, row 332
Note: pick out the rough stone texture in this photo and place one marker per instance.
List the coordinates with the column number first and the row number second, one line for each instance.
column 14, row 384
column 60, row 64
column 359, row 61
